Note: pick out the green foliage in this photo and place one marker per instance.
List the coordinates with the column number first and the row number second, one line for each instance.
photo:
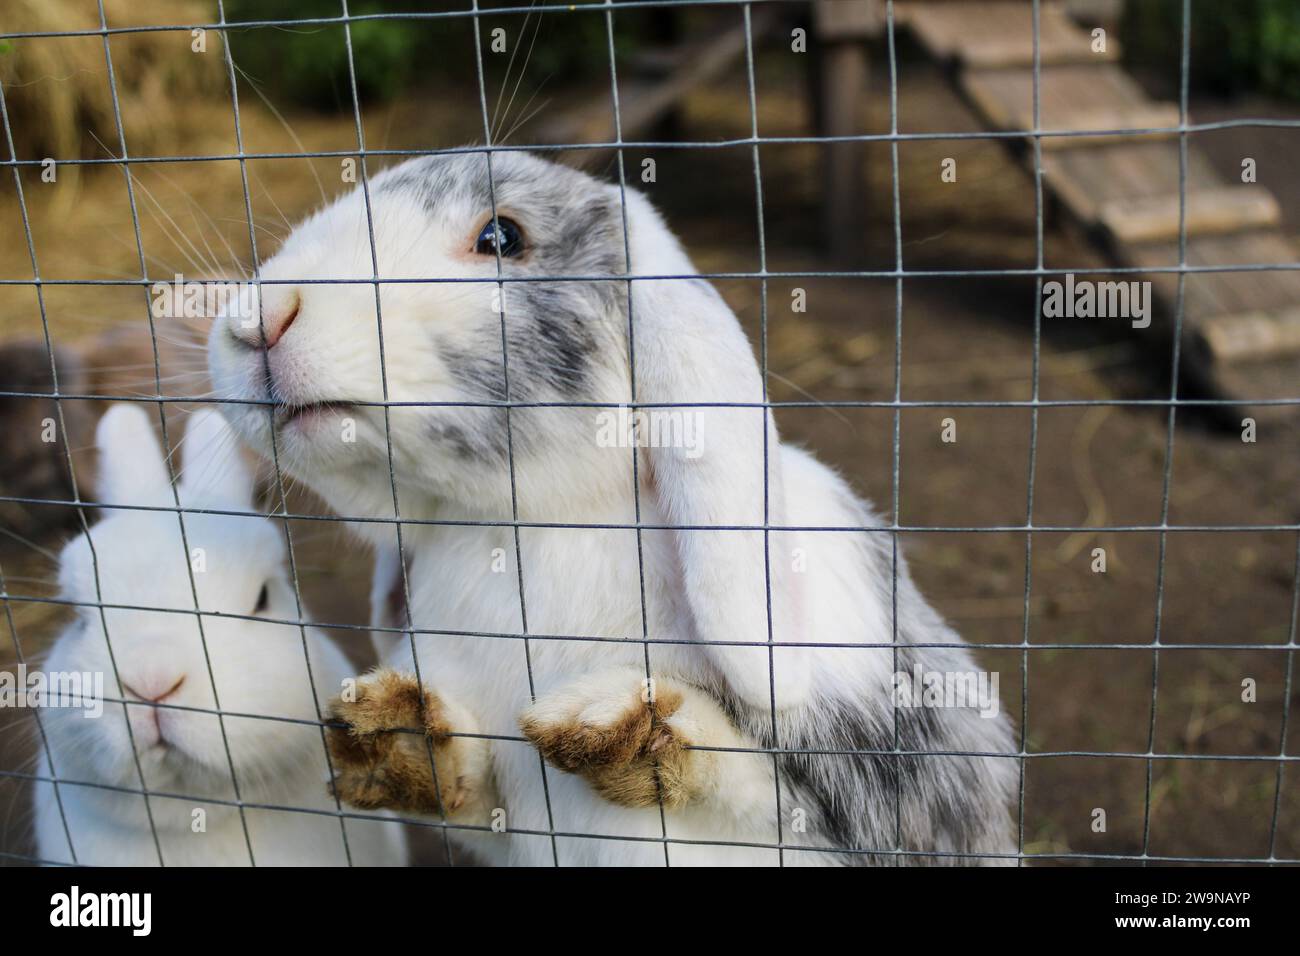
column 574, row 46
column 309, row 64
column 1238, row 46
column 1279, row 66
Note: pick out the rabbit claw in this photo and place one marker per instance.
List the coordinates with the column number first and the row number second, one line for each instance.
column 623, row 745
column 394, row 737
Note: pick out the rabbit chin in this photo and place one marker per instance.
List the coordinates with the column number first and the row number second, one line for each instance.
column 104, row 766
column 184, row 762
column 349, row 469
column 307, row 441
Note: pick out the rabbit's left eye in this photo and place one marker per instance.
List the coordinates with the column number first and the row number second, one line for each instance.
column 263, row 600
column 504, row 234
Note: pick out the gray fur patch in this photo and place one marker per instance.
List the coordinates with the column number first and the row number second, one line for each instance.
column 573, row 227
column 936, row 795
column 558, row 334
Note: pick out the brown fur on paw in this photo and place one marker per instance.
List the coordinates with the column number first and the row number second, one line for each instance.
column 628, row 753
column 381, row 757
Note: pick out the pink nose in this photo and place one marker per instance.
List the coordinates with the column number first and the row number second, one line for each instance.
column 280, row 307
column 153, row 688
column 147, row 722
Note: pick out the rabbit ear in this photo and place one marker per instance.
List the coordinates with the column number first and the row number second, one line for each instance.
column 215, row 472
column 723, row 467
column 131, row 466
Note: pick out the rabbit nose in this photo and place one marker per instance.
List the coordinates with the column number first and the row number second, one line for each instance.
column 279, row 308
column 153, row 690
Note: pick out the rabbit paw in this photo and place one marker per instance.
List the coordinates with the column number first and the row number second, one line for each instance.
column 381, row 757
column 631, row 749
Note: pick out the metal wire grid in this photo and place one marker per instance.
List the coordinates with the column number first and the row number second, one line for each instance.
column 894, row 529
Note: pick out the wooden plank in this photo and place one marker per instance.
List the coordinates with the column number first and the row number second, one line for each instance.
column 1241, row 331
column 1208, row 295
column 999, row 33
column 1253, row 336
column 1088, row 179
column 1208, row 211
column 1071, row 97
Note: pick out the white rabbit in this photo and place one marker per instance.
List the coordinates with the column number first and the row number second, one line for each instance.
column 166, row 732
column 716, row 587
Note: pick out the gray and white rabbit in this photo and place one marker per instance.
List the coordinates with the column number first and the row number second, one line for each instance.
column 167, row 730
column 703, row 579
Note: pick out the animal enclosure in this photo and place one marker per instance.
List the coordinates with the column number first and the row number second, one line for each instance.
column 1105, row 507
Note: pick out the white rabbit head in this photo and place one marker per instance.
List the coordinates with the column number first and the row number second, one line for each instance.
column 562, row 248
column 442, row 340
column 136, row 564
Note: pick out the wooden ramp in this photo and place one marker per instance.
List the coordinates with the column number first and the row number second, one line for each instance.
column 1241, row 330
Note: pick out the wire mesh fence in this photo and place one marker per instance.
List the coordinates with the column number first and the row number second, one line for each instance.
column 892, row 528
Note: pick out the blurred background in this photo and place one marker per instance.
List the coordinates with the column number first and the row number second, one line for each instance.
column 818, row 69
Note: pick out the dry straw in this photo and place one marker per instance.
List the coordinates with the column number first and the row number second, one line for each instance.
column 58, row 91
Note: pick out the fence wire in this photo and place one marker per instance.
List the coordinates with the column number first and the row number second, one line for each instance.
column 898, row 274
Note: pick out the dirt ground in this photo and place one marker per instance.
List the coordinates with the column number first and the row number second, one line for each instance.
column 964, row 339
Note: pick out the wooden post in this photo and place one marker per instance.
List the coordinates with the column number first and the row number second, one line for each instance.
column 841, row 30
